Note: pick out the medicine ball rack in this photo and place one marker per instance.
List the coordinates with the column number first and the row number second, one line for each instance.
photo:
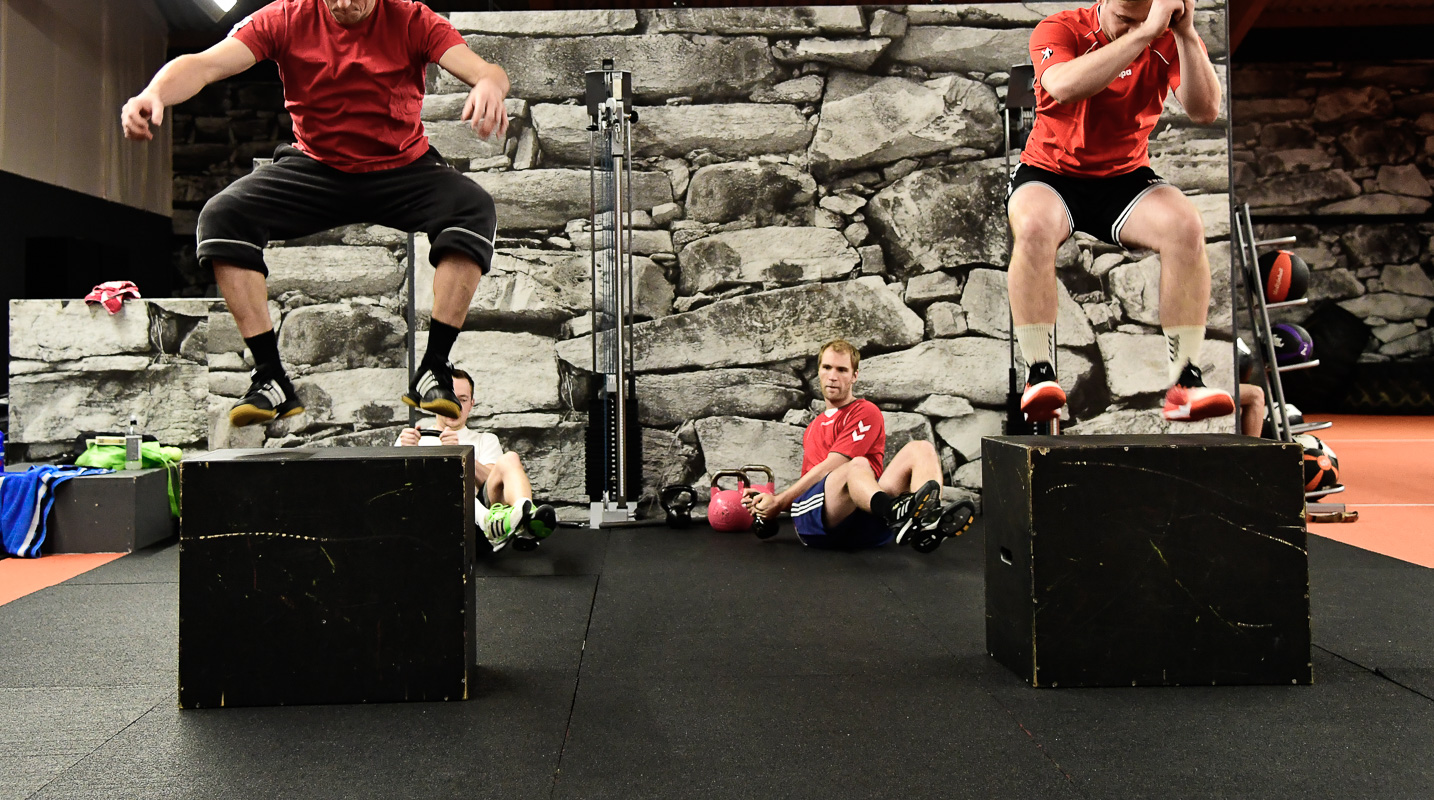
column 1276, row 411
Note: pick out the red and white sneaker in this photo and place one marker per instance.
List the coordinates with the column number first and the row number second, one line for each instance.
column 1190, row 399
column 1043, row 397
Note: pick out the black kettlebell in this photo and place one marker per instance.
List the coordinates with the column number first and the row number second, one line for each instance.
column 677, row 500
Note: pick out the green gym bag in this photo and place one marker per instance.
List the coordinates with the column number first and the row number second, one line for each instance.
column 153, row 455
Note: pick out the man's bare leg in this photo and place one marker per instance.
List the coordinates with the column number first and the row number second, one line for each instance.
column 915, row 464
column 271, row 395
column 508, row 482
column 247, row 295
column 1165, row 220
column 1039, row 224
column 454, row 281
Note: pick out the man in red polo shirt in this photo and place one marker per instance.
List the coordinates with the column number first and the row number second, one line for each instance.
column 1102, row 75
column 845, row 498
column 353, row 73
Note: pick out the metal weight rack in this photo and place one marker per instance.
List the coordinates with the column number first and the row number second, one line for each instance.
column 614, row 438
column 1276, row 412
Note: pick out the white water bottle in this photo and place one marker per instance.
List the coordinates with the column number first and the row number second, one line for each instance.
column 131, row 448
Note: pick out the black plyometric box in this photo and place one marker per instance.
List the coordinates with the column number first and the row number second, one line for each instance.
column 1146, row 560
column 332, row 575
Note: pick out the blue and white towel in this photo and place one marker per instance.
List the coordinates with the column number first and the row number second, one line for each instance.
column 25, row 501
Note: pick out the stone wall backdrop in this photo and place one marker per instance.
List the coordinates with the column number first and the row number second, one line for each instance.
column 1345, row 163
column 800, row 174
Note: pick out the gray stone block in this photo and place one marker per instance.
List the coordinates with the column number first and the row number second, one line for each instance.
column 944, row 217
column 700, row 66
column 545, row 199
column 768, row 326
column 781, row 256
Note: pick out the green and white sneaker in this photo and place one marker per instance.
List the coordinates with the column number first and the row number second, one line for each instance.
column 540, row 522
column 504, row 522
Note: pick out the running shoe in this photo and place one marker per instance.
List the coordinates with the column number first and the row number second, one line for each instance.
column 1043, row 398
column 1190, row 399
column 914, row 510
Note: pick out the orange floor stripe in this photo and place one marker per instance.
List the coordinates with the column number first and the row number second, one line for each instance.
column 1387, row 467
column 21, row 576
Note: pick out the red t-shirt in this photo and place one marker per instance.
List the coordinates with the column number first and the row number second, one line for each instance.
column 1108, row 133
column 855, row 429
column 355, row 93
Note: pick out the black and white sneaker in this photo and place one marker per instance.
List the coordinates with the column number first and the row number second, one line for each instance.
column 954, row 520
column 914, row 510
column 432, row 391
column 269, row 398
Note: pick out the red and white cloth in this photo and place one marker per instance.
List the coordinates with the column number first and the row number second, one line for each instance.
column 112, row 294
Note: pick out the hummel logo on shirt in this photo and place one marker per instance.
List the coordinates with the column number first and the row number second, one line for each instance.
column 1047, row 53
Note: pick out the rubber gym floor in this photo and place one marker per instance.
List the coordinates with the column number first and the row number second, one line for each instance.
column 671, row 664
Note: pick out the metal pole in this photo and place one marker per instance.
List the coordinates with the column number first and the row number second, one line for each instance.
column 620, row 256
column 412, row 323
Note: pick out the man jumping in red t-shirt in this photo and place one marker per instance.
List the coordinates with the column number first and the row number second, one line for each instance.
column 844, row 498
column 1102, row 75
column 353, row 73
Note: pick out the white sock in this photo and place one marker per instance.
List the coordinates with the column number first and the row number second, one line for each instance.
column 1035, row 341
column 1184, row 342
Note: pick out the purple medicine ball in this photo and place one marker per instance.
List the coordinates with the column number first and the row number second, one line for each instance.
column 1293, row 344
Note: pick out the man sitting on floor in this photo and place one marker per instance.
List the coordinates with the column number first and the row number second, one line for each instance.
column 1102, row 75
column 845, row 499
column 506, row 510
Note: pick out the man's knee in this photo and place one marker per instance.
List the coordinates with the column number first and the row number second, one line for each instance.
column 467, row 230
column 1183, row 230
column 225, row 232
column 920, row 449
column 510, row 461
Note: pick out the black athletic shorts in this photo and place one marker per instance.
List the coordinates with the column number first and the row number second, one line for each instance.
column 297, row 196
column 1097, row 206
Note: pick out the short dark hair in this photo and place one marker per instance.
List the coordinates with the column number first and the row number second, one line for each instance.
column 458, row 373
column 842, row 346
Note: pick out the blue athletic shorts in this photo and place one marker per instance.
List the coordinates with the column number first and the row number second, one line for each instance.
column 856, row 531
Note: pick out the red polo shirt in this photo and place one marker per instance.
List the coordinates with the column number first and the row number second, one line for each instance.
column 1108, row 133
column 855, row 429
column 355, row 93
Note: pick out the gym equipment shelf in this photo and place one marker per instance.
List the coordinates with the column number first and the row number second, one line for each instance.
column 1276, row 410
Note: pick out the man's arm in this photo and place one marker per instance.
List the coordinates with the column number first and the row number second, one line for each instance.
column 766, row 505
column 484, row 105
column 1199, row 89
column 1088, row 75
column 180, row 80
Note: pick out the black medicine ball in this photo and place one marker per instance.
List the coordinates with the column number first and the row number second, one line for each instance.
column 1285, row 276
column 1321, row 465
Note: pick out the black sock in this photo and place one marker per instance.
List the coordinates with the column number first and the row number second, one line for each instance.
column 441, row 337
column 881, row 504
column 265, row 349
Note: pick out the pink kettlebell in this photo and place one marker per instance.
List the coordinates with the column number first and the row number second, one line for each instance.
column 724, row 506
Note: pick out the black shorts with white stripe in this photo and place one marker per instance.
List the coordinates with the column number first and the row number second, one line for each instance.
column 1097, row 206
column 297, row 196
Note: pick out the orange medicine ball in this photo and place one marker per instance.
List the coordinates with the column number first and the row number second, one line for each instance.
column 1284, row 275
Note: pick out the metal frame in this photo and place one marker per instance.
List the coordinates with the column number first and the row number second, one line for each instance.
column 614, row 440
column 1270, row 370
column 1021, row 104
